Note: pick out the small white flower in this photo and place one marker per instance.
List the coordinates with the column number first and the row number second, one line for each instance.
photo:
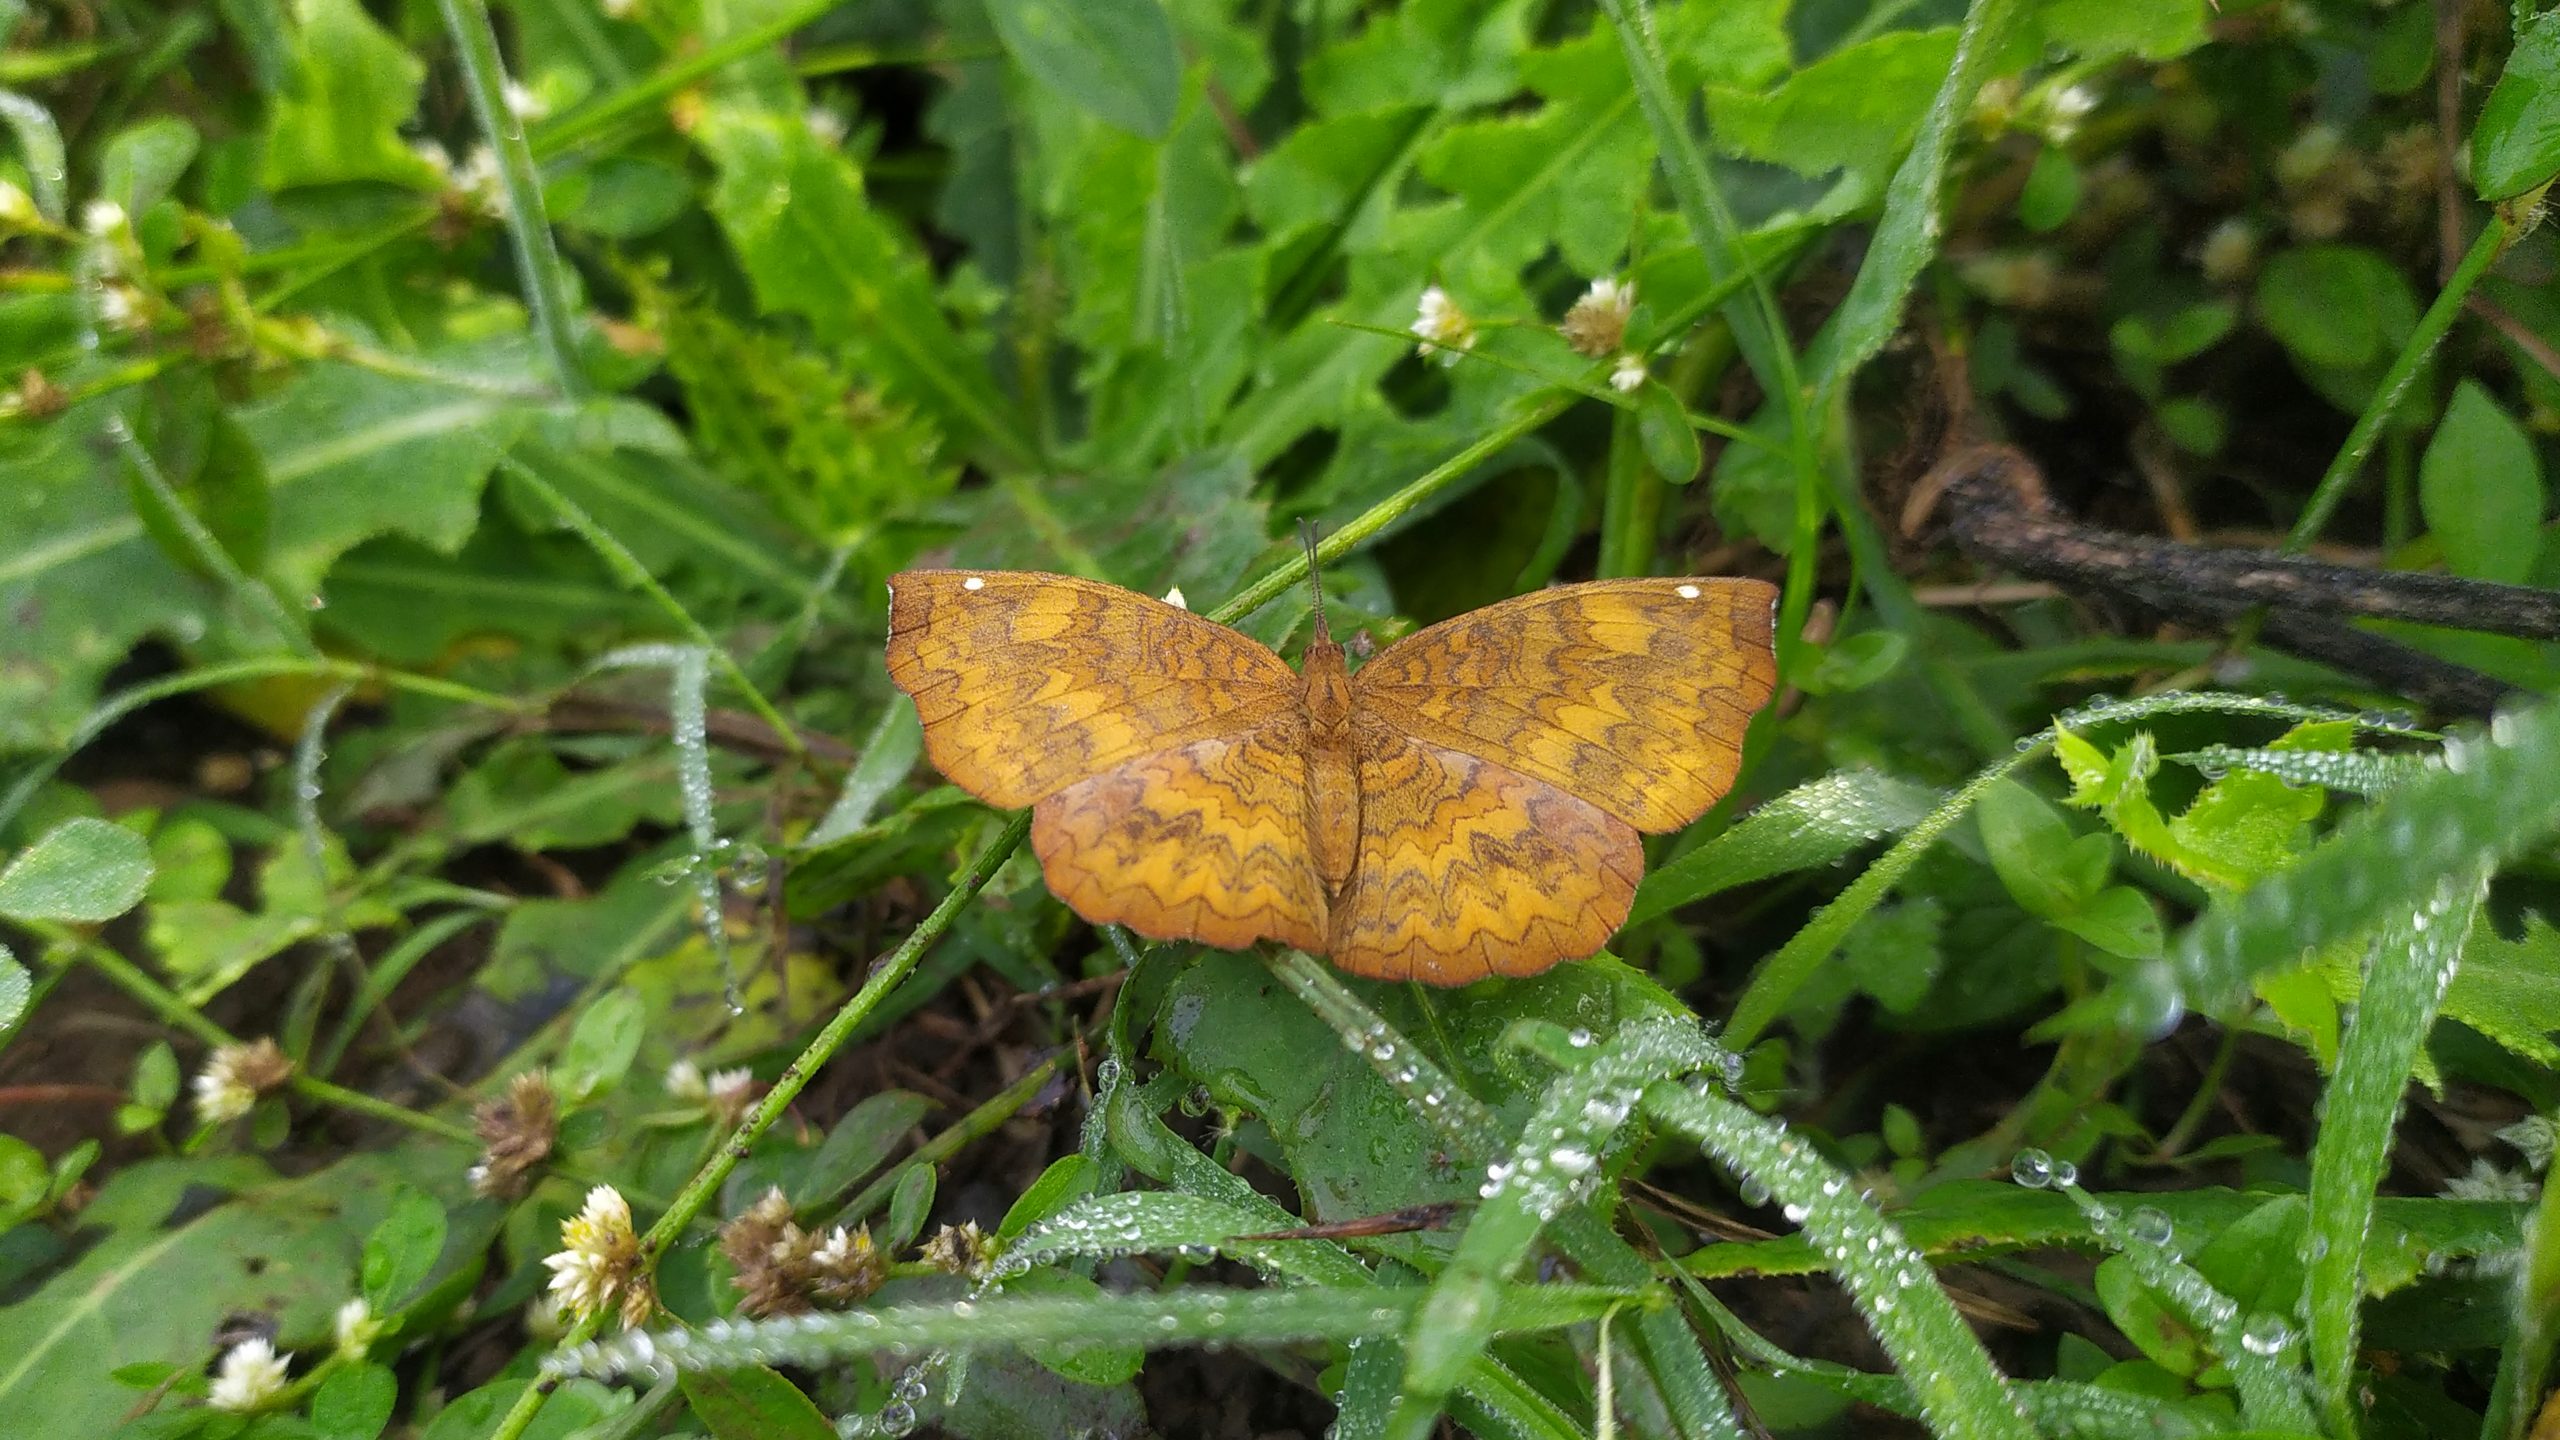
column 1173, row 597
column 1628, row 374
column 356, row 1327
column 102, row 217
column 2065, row 108
column 599, row 1255
column 435, row 157
column 234, row 1076
column 546, row 1319
column 727, row 1087
column 120, row 306
column 2229, row 252
column 1442, row 327
column 825, row 124
column 839, row 1249
column 524, row 103
column 250, row 1378
column 2533, row 1136
column 684, row 1082
column 477, row 177
column 1597, row 323
column 2488, row 1182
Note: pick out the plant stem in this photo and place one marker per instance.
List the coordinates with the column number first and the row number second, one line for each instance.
column 2396, row 381
column 627, row 565
column 537, row 256
column 976, row 1125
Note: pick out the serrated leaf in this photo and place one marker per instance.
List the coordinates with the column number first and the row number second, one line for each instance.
column 85, row 871
column 2509, row 990
column 354, row 87
column 1854, row 109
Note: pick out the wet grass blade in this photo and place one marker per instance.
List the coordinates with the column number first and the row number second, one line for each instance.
column 1817, row 823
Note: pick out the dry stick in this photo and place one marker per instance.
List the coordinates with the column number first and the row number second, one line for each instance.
column 1999, row 513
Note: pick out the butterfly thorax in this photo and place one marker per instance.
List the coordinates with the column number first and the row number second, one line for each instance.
column 1333, row 771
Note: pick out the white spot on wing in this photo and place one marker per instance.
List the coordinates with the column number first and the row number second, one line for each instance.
column 973, row 583
column 1689, row 592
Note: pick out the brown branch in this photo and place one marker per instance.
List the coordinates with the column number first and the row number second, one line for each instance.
column 1996, row 507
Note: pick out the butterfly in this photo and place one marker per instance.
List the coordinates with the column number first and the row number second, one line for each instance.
column 1465, row 804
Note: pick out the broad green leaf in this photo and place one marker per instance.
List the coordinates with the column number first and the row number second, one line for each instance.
column 1855, row 108
column 354, row 87
column 752, row 1402
column 2480, row 488
column 2104, row 30
column 2515, row 144
column 2509, row 990
column 602, row 1045
column 143, row 162
column 401, row 1251
column 2044, row 866
column 84, row 871
column 1114, row 58
column 181, row 1245
column 16, row 989
column 2051, row 193
column 2336, row 307
column 860, row 1143
column 354, row 1402
column 1670, row 446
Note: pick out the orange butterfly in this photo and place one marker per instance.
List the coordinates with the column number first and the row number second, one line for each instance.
column 1465, row 805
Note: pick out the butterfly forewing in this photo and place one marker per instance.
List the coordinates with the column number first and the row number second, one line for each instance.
column 1630, row 694
column 1028, row 683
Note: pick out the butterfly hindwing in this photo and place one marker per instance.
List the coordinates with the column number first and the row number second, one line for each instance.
column 1028, row 683
column 1629, row 694
column 1469, row 868
column 1204, row 842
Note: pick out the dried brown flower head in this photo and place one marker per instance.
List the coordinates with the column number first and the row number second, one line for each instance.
column 517, row 1130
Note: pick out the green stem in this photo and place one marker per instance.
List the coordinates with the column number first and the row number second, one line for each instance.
column 587, row 119
column 619, row 558
column 2396, row 381
column 974, row 1126
column 1631, row 507
column 1395, row 507
column 537, row 256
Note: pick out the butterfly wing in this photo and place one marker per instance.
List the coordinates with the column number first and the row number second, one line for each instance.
column 1631, row 695
column 1469, row 868
column 1162, row 754
column 1028, row 683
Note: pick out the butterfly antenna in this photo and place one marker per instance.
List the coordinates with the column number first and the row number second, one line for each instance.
column 1315, row 580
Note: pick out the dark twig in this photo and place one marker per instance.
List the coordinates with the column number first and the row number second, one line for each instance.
column 1995, row 504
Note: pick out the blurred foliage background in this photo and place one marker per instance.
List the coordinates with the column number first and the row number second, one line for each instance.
column 450, row 457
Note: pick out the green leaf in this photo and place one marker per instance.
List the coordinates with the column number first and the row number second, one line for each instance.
column 2044, row 866
column 84, row 871
column 523, row 796
column 1817, row 823
column 1662, row 424
column 354, row 87
column 2104, row 30
column 401, row 1251
column 2515, row 145
column 860, row 1143
column 601, row 1046
column 142, row 163
column 2336, row 307
column 2480, row 488
column 910, row 1205
column 17, row 988
column 354, row 1402
column 2051, row 193
column 1115, row 58
column 752, row 1402
column 1855, row 108
column 2509, row 990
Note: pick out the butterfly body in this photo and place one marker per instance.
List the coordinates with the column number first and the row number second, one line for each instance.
column 1467, row 804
